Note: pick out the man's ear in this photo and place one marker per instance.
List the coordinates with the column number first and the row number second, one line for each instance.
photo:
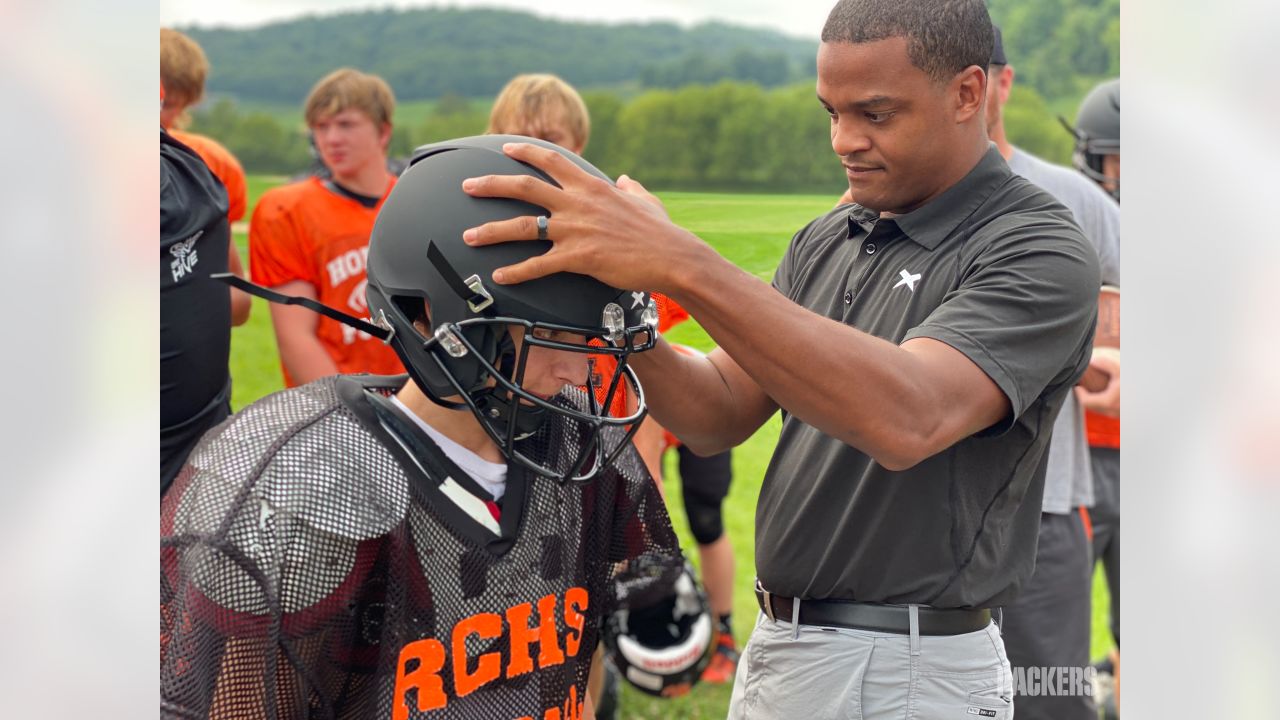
column 384, row 136
column 969, row 89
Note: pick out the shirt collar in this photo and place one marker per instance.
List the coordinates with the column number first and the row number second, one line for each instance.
column 931, row 223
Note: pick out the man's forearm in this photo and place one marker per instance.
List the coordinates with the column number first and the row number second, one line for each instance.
column 855, row 387
column 689, row 396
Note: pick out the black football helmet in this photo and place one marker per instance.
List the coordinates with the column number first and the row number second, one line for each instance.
column 661, row 637
column 1097, row 132
column 468, row 358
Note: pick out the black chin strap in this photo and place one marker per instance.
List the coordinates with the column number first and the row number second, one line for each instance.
column 240, row 283
column 477, row 298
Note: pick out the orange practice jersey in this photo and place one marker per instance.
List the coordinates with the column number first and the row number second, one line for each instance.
column 224, row 165
column 305, row 231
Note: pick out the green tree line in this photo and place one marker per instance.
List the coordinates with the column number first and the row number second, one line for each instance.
column 727, row 136
column 1059, row 47
column 431, row 52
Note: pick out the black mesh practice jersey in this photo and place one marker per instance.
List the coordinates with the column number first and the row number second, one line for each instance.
column 313, row 566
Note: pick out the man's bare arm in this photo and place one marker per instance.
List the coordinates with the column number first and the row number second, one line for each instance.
column 708, row 402
column 897, row 404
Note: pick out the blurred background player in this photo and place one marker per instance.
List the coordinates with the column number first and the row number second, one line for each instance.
column 546, row 107
column 183, row 69
column 1097, row 155
column 542, row 106
column 1097, row 135
column 195, row 327
column 1048, row 624
column 311, row 238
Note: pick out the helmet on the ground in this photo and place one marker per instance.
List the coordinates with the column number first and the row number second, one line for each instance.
column 1097, row 131
column 460, row 350
column 663, row 637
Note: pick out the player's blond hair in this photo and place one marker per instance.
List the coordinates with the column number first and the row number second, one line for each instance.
column 348, row 88
column 530, row 104
column 183, row 68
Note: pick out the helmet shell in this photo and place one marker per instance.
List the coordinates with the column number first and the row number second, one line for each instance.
column 1098, row 119
column 428, row 209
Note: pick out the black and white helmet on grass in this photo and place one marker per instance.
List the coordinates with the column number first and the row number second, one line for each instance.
column 662, row 636
column 468, row 358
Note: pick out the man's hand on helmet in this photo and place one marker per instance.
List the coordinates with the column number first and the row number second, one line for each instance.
column 620, row 235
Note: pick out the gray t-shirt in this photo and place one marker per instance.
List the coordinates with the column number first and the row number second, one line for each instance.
column 995, row 268
column 1069, row 480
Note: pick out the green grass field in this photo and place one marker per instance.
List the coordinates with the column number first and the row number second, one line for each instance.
column 750, row 230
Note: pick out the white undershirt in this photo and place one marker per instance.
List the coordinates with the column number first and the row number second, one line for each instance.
column 489, row 475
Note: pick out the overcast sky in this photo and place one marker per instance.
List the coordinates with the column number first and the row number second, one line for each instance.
column 801, row 18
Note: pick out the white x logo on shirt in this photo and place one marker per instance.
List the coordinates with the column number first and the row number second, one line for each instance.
column 908, row 279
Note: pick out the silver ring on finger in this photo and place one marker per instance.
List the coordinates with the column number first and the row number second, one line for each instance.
column 543, row 221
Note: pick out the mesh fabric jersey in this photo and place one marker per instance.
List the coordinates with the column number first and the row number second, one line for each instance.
column 312, row 567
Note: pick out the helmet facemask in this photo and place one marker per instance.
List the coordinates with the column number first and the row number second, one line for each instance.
column 486, row 368
column 1088, row 159
column 470, row 357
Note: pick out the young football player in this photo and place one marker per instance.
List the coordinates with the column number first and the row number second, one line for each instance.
column 441, row 545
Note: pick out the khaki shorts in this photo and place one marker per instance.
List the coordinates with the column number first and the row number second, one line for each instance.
column 823, row 673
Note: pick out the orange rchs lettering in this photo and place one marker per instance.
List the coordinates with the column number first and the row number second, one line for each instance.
column 425, row 678
column 549, row 652
column 488, row 666
column 421, row 662
column 575, row 601
column 518, row 617
column 522, row 636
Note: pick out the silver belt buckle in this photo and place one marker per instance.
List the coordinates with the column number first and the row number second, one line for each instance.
column 768, row 601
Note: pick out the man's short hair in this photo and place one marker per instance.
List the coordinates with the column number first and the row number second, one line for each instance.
column 943, row 36
column 183, row 68
column 537, row 101
column 347, row 88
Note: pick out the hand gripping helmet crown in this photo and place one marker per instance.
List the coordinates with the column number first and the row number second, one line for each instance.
column 469, row 358
column 1097, row 132
column 662, row 636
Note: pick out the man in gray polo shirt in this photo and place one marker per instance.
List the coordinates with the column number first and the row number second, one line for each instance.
column 1048, row 625
column 919, row 343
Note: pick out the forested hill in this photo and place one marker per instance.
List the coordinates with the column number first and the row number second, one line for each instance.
column 426, row 53
column 708, row 107
column 1060, row 48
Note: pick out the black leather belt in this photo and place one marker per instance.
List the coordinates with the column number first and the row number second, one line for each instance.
column 875, row 617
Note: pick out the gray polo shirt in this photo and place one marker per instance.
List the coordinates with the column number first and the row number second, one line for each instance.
column 1068, row 482
column 995, row 268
